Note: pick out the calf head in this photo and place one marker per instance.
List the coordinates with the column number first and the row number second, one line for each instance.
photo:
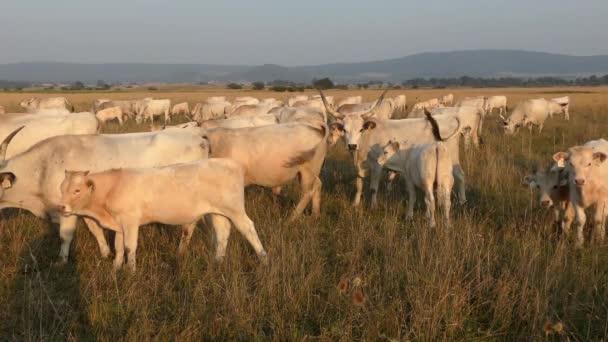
column 389, row 150
column 76, row 192
column 582, row 163
column 549, row 184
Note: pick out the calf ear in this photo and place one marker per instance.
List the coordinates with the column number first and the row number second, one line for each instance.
column 336, row 125
column 369, row 125
column 560, row 158
column 599, row 157
column 7, row 179
column 529, row 181
column 91, row 184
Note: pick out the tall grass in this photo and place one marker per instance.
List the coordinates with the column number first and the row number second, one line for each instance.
column 498, row 273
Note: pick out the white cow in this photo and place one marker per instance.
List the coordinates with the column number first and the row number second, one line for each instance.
column 400, row 102
column 365, row 136
column 477, row 102
column 564, row 103
column 242, row 121
column 496, row 102
column 588, row 185
column 530, row 113
column 189, row 191
column 31, row 180
column 180, row 108
column 471, row 121
column 97, row 104
column 252, row 110
column 350, row 100
column 447, row 100
column 108, row 114
column 210, row 110
column 149, row 108
column 37, row 103
column 424, row 166
column 2, row 110
column 41, row 127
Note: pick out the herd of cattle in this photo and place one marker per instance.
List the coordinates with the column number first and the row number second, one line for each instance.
column 55, row 164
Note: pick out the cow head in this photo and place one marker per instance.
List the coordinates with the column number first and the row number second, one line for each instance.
column 510, row 126
column 30, row 103
column 352, row 123
column 548, row 183
column 581, row 163
column 76, row 192
column 388, row 151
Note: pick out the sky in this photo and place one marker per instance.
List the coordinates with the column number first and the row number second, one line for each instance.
column 290, row 33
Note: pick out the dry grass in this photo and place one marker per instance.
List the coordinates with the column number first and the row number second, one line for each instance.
column 499, row 273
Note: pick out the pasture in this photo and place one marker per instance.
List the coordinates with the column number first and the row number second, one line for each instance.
column 499, row 272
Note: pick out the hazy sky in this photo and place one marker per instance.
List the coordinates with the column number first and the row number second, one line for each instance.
column 290, row 32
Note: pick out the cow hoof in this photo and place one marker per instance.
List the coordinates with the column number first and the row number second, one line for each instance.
column 219, row 259
column 60, row 263
column 105, row 253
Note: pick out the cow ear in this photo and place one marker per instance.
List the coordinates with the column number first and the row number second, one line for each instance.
column 599, row 157
column 337, row 126
column 369, row 125
column 7, row 179
column 560, row 158
column 91, row 184
column 86, row 173
column 529, row 181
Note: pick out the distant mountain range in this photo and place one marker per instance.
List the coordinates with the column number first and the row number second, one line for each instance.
column 474, row 63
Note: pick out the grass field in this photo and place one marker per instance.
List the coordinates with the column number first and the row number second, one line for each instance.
column 498, row 273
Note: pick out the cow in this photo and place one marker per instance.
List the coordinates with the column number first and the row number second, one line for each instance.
column 149, row 108
column 471, row 121
column 400, row 103
column 366, row 135
column 108, row 114
column 447, row 100
column 41, row 127
column 240, row 122
column 477, row 102
column 210, row 110
column 529, row 113
column 316, row 104
column 216, row 99
column 191, row 124
column 554, row 192
column 36, row 103
column 496, row 102
column 97, row 104
column 297, row 98
column 125, row 199
column 329, row 99
column 2, row 110
column 272, row 156
column 423, row 166
column 127, row 106
column 428, row 104
column 31, row 180
column 242, row 101
column 350, row 100
column 300, row 114
column 588, row 185
column 252, row 110
column 564, row 106
column 180, row 108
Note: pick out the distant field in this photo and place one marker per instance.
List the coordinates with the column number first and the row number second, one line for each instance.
column 498, row 273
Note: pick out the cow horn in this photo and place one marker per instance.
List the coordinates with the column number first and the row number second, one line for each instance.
column 369, row 113
column 7, row 140
column 330, row 110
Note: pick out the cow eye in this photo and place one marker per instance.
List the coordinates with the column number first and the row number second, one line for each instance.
column 589, row 164
column 77, row 191
column 555, row 187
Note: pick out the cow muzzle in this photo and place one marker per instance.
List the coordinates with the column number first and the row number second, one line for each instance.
column 352, row 147
column 63, row 209
column 579, row 181
column 546, row 203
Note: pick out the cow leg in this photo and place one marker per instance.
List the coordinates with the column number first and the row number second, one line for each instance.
column 459, row 180
column 581, row 219
column 429, row 201
column 444, row 197
column 569, row 215
column 67, row 227
column 316, row 198
column 411, row 201
column 307, row 182
column 540, row 128
column 97, row 232
column 131, row 233
column 120, row 120
column 187, row 230
column 374, row 184
column 244, row 225
column 221, row 227
column 119, row 249
column 359, row 184
column 276, row 191
column 599, row 230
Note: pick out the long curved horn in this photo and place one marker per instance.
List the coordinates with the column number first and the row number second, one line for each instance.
column 330, row 110
column 367, row 114
column 7, row 140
